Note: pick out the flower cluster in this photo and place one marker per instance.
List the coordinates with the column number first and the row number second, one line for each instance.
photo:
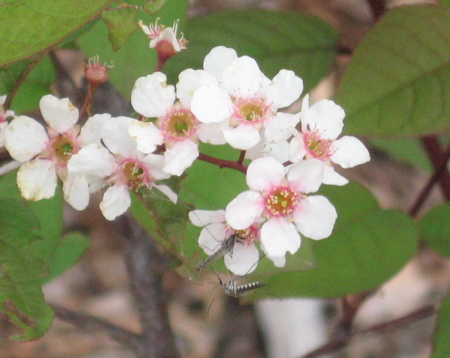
column 230, row 101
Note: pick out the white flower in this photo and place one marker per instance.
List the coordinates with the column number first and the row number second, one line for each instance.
column 322, row 123
column 4, row 115
column 45, row 152
column 176, row 126
column 243, row 258
column 120, row 165
column 278, row 198
column 164, row 39
column 246, row 99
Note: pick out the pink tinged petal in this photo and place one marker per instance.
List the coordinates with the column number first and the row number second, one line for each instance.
column 146, row 135
column 212, row 133
column 151, row 96
column 116, row 138
column 155, row 163
column 297, row 149
column 25, row 138
column 350, row 152
column 180, row 156
column 306, row 175
column 284, row 90
column 60, row 114
column 243, row 210
column 37, row 179
column 280, row 236
column 211, row 237
column 191, row 80
column 243, row 259
column 316, row 217
column 116, row 201
column 211, row 104
column 280, row 127
column 242, row 137
column 76, row 191
column 243, row 78
column 168, row 34
column 263, row 173
column 331, row 177
column 327, row 117
column 167, row 191
column 93, row 159
column 91, row 130
column 218, row 59
column 204, row 217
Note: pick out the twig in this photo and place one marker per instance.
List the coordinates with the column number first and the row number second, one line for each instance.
column 426, row 190
column 335, row 345
column 378, row 9
column 92, row 323
column 145, row 268
column 222, row 163
column 437, row 157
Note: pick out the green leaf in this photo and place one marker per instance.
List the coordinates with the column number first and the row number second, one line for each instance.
column 367, row 247
column 71, row 248
column 120, row 24
column 135, row 58
column 153, row 6
column 297, row 42
column 36, row 85
column 397, row 82
column 31, row 26
column 21, row 271
column 435, row 227
column 441, row 341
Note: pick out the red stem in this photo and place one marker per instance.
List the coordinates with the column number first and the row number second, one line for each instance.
column 222, row 163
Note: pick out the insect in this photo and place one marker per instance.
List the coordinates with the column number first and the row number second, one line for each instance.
column 225, row 248
column 231, row 288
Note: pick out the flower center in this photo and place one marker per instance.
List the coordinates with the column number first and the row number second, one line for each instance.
column 180, row 124
column 63, row 148
column 282, row 201
column 134, row 174
column 317, row 147
column 251, row 112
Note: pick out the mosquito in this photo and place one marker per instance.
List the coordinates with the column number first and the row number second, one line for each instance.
column 225, row 248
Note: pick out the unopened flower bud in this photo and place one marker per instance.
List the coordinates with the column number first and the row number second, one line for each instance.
column 95, row 73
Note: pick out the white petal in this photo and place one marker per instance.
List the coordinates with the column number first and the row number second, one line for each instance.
column 218, row 59
column 116, row 138
column 243, row 78
column 350, row 152
column 116, row 201
column 242, row 137
column 167, row 191
column 327, row 117
column 297, row 149
column 285, row 88
column 147, row 136
column 180, row 156
column 211, row 104
column 155, row 163
column 243, row 210
column 281, row 126
column 211, row 237
column 191, row 80
column 37, row 179
column 212, row 132
column 151, row 96
column 60, row 114
column 91, row 130
column 243, row 259
column 279, row 151
column 76, row 191
column 93, row 159
column 331, row 177
column 205, row 217
column 2, row 133
column 279, row 236
column 307, row 175
column 25, row 138
column 316, row 217
column 263, row 173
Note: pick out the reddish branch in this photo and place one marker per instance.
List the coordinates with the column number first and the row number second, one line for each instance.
column 222, row 163
column 438, row 157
